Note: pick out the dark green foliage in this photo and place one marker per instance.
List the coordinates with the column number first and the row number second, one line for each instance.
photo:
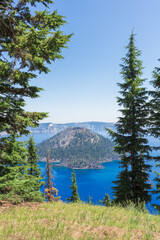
column 157, row 190
column 75, row 196
column 106, row 201
column 155, row 123
column 33, row 168
column 154, row 105
column 29, row 40
column 15, row 183
column 130, row 138
column 33, row 159
column 124, row 187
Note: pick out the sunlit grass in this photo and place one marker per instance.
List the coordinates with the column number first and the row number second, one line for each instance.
column 76, row 221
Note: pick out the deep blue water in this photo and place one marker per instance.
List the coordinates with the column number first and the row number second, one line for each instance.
column 90, row 182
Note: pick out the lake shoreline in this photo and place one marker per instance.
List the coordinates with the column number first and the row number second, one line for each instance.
column 100, row 166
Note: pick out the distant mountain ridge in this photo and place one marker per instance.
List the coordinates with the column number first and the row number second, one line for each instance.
column 78, row 148
column 55, row 128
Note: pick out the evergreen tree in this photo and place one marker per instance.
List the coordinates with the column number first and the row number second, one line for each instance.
column 50, row 191
column 106, row 200
column 130, row 137
column 27, row 42
column 33, row 168
column 15, row 183
column 33, row 159
column 155, row 123
column 29, row 39
column 75, row 196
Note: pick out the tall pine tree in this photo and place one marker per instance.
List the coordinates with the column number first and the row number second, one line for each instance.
column 130, row 138
column 33, row 158
column 155, row 124
column 75, row 196
column 33, row 167
column 30, row 40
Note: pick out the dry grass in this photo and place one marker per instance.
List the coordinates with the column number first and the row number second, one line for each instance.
column 60, row 221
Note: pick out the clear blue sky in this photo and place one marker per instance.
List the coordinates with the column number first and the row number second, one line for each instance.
column 82, row 87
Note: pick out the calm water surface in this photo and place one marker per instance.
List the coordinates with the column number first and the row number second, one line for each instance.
column 90, row 182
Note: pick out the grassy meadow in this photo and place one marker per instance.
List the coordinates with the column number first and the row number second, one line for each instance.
column 60, row 221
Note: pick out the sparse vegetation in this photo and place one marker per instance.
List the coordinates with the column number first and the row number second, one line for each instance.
column 106, row 201
column 77, row 221
column 50, row 191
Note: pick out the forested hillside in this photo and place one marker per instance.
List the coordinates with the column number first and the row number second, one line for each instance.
column 78, row 148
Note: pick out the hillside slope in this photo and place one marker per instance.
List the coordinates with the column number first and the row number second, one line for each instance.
column 78, row 148
column 60, row 221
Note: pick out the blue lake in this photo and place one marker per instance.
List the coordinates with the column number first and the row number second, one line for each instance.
column 91, row 182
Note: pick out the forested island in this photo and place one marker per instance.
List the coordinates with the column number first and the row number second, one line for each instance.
column 78, row 148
